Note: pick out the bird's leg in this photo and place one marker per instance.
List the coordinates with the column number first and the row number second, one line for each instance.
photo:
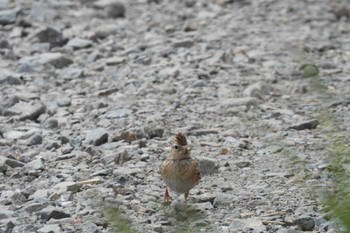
column 167, row 198
column 186, row 196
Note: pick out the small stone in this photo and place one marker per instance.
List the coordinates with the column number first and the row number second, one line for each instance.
column 17, row 198
column 114, row 10
column 64, row 102
column 9, row 79
column 97, row 136
column 201, row 132
column 39, row 194
column 24, row 228
column 67, row 149
column 8, row 16
column 36, row 139
column 70, row 73
column 207, row 166
column 242, row 164
column 131, row 135
column 51, row 123
column 52, row 228
column 10, row 162
column 119, row 113
column 35, row 207
column 57, row 60
column 305, row 223
column 26, row 110
column 9, row 227
column 257, row 90
column 112, row 61
column 78, row 43
column 311, row 124
column 52, row 36
column 102, row 172
column 234, row 102
column 36, row 164
column 51, row 212
column 153, row 130
column 186, row 43
column 89, row 226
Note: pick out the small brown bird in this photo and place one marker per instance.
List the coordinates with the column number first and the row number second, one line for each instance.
column 179, row 171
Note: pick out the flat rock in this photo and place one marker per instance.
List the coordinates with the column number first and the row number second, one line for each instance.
column 235, row 102
column 51, row 228
column 310, row 124
column 26, row 110
column 8, row 16
column 79, row 43
column 57, row 60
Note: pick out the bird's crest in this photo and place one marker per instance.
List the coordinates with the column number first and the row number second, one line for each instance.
column 180, row 139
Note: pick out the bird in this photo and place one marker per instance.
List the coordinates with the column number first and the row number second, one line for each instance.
column 179, row 171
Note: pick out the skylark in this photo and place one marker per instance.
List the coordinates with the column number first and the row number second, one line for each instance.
column 179, row 171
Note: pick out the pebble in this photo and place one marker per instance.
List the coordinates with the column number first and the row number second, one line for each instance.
column 52, row 36
column 97, row 136
column 310, row 124
column 305, row 223
column 207, row 166
column 8, row 16
column 79, row 43
column 26, row 110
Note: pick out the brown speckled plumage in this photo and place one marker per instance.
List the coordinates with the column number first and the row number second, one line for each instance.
column 179, row 171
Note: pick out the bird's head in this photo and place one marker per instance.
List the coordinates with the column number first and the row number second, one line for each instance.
column 180, row 148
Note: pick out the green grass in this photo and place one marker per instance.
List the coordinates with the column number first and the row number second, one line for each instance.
column 336, row 200
column 118, row 221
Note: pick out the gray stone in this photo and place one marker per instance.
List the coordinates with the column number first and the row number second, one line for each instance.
column 78, row 43
column 305, row 223
column 235, row 102
column 17, row 198
column 64, row 102
column 119, row 113
column 39, row 194
column 10, row 162
column 24, row 228
column 90, row 227
column 36, row 164
column 52, row 36
column 242, row 163
column 310, row 124
column 70, row 73
column 52, row 228
column 8, row 16
column 97, row 136
column 153, row 130
column 57, row 60
column 36, row 139
column 52, row 212
column 258, row 90
column 51, row 123
column 112, row 61
column 114, row 10
column 35, row 207
column 186, row 43
column 9, row 227
column 207, row 166
column 9, row 79
column 26, row 110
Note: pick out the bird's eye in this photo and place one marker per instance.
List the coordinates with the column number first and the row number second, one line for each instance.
column 176, row 147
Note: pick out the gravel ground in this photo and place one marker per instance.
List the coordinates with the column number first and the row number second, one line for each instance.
column 91, row 92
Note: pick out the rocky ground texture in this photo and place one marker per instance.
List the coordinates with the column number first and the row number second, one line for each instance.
column 91, row 92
